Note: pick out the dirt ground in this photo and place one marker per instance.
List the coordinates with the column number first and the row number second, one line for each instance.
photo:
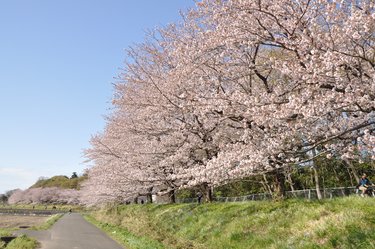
column 15, row 221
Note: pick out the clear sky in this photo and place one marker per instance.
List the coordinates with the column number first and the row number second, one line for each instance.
column 57, row 62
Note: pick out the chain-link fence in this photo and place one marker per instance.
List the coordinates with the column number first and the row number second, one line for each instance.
column 309, row 194
column 327, row 193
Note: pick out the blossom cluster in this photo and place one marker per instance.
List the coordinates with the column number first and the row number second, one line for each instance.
column 238, row 88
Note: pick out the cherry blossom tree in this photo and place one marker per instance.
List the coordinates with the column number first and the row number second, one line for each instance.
column 51, row 195
column 286, row 71
column 239, row 88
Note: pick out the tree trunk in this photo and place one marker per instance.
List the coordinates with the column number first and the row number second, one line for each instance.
column 336, row 176
column 316, row 177
column 350, row 177
column 280, row 183
column 290, row 181
column 352, row 169
column 149, row 195
column 149, row 198
column 266, row 185
column 207, row 193
column 172, row 196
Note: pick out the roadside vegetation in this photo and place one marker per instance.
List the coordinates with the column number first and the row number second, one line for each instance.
column 23, row 242
column 126, row 238
column 49, row 222
column 338, row 223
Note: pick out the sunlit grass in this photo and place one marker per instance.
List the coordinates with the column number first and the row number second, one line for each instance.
column 4, row 232
column 124, row 237
column 337, row 223
column 23, row 242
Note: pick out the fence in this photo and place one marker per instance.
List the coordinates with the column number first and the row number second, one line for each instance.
column 310, row 194
column 9, row 211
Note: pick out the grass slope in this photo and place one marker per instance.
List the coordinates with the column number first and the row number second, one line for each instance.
column 338, row 223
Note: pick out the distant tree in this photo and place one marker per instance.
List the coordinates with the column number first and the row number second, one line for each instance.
column 74, row 175
column 3, row 198
column 51, row 195
column 10, row 192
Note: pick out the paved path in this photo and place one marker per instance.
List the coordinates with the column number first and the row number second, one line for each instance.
column 72, row 231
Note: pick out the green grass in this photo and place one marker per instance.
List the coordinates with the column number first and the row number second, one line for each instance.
column 124, row 237
column 23, row 242
column 4, row 232
column 338, row 223
column 49, row 223
column 60, row 182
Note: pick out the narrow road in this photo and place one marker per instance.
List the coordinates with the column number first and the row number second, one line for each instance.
column 72, row 231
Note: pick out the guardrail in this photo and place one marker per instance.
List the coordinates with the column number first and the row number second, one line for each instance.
column 310, row 194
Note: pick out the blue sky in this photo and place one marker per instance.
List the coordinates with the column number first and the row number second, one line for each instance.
column 57, row 62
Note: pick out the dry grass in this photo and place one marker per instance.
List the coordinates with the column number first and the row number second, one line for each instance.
column 15, row 221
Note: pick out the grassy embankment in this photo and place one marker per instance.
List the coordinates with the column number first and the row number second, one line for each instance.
column 338, row 223
column 24, row 242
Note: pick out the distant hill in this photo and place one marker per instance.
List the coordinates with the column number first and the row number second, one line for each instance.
column 61, row 181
